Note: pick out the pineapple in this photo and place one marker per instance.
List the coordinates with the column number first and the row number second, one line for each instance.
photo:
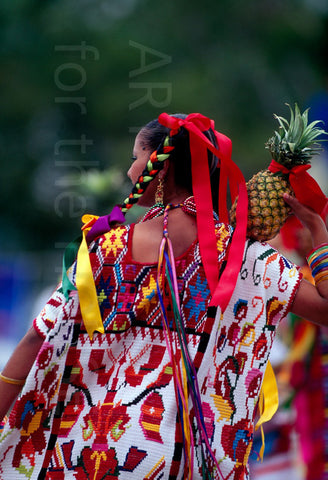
column 293, row 144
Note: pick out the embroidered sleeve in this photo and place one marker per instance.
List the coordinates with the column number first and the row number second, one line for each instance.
column 108, row 247
column 270, row 279
column 46, row 319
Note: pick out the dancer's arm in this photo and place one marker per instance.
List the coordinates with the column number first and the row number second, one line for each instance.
column 18, row 367
column 311, row 302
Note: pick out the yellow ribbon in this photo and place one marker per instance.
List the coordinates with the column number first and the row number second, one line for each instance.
column 85, row 284
column 268, row 402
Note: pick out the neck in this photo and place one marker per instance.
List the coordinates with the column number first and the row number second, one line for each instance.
column 175, row 195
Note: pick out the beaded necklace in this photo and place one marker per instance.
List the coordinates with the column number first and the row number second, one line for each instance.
column 187, row 206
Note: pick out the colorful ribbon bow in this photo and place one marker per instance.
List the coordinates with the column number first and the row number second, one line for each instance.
column 196, row 124
column 306, row 189
column 85, row 285
column 197, row 120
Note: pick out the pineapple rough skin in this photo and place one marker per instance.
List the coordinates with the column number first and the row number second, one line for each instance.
column 267, row 210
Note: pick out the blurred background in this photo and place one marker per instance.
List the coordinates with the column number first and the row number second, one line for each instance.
column 77, row 80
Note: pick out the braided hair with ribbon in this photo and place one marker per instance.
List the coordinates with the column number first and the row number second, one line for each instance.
column 156, row 137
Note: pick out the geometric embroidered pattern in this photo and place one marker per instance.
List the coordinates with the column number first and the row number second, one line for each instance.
column 106, row 408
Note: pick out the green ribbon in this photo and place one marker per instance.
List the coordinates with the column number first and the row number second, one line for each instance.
column 69, row 258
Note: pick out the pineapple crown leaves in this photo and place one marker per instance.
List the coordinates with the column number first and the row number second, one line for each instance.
column 296, row 140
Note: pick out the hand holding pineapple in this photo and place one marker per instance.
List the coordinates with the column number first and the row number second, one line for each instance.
column 291, row 147
column 309, row 219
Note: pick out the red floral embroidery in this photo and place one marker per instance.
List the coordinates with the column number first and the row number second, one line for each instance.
column 97, row 465
column 237, row 440
column 29, row 415
column 104, row 419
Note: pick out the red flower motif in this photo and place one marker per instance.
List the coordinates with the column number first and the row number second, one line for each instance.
column 97, row 465
column 29, row 415
column 237, row 441
column 104, row 419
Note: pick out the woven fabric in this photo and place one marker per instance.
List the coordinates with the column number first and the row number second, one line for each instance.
column 106, row 408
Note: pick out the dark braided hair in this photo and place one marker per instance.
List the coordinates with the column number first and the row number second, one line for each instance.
column 152, row 168
column 157, row 138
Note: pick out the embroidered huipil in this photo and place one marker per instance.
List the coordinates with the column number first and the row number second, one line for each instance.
column 106, row 408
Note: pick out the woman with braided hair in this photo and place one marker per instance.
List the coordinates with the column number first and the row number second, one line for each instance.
column 147, row 362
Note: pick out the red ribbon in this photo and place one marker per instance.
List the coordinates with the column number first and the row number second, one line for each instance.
column 196, row 124
column 306, row 189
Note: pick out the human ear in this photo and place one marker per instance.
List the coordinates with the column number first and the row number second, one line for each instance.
column 163, row 173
